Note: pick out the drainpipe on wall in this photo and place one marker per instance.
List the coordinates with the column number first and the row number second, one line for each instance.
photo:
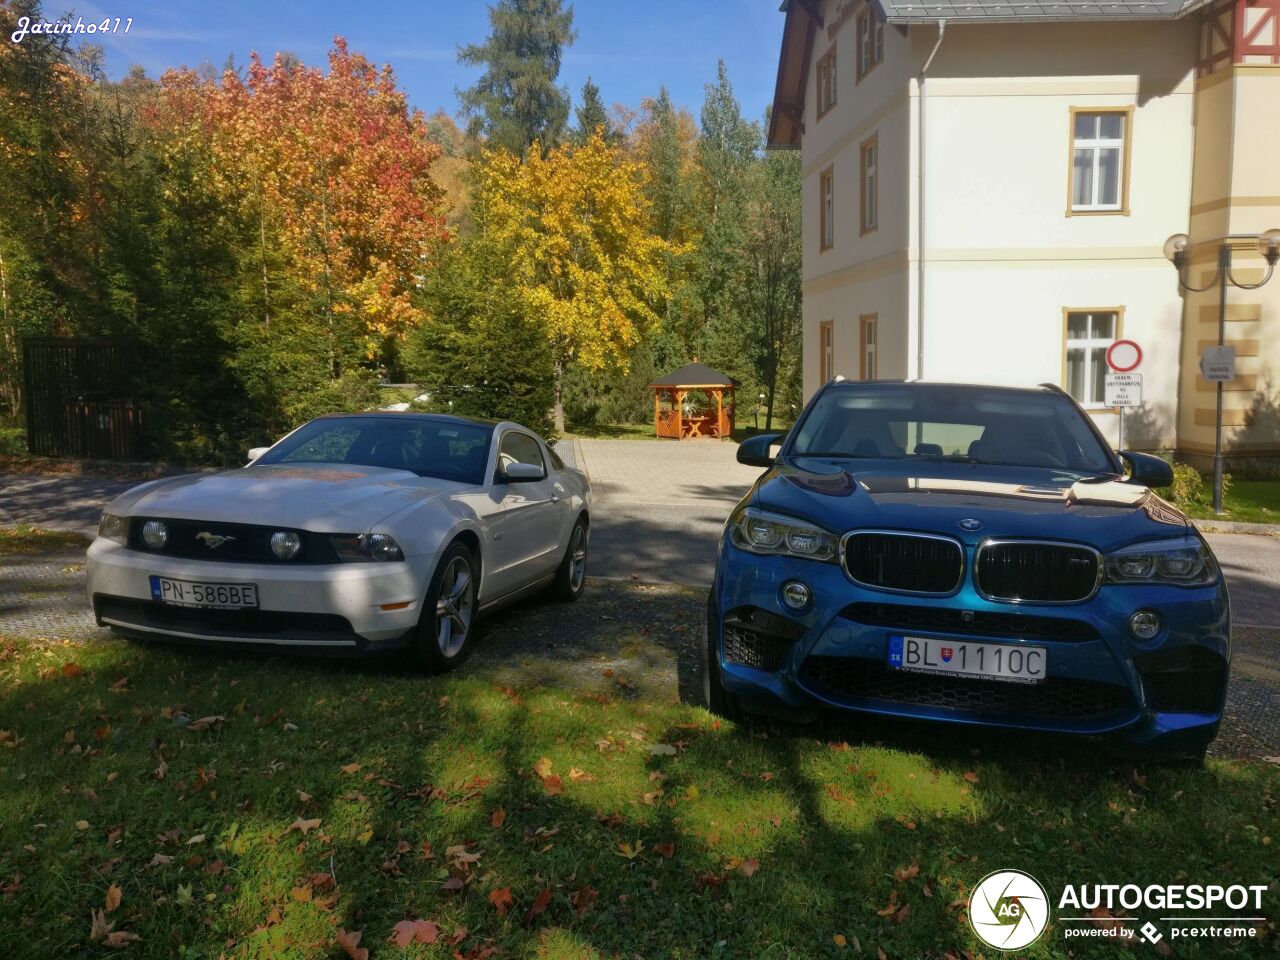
column 942, row 29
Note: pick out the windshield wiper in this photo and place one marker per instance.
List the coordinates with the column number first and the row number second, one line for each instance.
column 837, row 455
column 947, row 458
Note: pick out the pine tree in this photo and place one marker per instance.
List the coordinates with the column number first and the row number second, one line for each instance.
column 592, row 116
column 516, row 101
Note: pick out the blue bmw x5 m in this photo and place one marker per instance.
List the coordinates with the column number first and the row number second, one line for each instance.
column 969, row 554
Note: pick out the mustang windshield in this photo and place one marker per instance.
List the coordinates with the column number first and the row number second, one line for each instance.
column 959, row 423
column 445, row 449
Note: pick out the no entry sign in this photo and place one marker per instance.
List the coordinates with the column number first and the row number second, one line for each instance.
column 1124, row 356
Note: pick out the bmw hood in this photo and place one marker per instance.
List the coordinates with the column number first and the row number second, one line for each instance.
column 322, row 499
column 969, row 501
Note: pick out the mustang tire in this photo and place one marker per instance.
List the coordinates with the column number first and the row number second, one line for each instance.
column 446, row 629
column 571, row 576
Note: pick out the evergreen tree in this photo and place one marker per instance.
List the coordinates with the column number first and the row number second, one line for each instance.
column 516, row 101
column 592, row 116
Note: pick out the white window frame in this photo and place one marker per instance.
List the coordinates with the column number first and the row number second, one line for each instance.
column 1088, row 344
column 1096, row 145
column 826, row 71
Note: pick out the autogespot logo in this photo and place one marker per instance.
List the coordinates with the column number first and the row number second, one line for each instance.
column 1008, row 909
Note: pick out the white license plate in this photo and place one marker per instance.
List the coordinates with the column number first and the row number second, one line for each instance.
column 205, row 595
column 992, row 661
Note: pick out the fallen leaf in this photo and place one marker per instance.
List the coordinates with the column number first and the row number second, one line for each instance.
column 351, row 768
column 543, row 767
column 184, row 894
column 666, row 848
column 273, row 916
column 839, row 940
column 199, row 838
column 415, row 931
column 304, row 797
column 301, row 825
column 584, row 898
column 501, row 900
column 662, row 750
column 302, row 894
column 748, row 868
column 540, row 904
column 907, row 873
column 553, row 785
column 112, row 901
column 119, row 939
column 580, row 776
column 349, row 941
column 630, row 851
column 204, row 723
column 497, row 818
column 159, row 860
column 71, row 670
column 99, row 927
column 970, row 776
column 82, row 824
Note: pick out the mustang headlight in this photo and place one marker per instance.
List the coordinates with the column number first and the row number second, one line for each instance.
column 111, row 527
column 1184, row 561
column 155, row 534
column 285, row 544
column 758, row 531
column 369, row 546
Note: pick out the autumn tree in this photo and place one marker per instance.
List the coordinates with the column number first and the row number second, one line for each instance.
column 583, row 260
column 516, row 101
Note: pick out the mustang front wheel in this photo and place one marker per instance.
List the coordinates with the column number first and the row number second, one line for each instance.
column 449, row 612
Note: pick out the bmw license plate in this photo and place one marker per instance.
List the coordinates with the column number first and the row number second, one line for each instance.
column 990, row 661
column 205, row 595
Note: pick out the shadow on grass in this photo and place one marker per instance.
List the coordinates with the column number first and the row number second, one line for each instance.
column 778, row 843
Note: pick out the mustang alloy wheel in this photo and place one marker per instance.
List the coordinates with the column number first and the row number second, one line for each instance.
column 572, row 574
column 449, row 612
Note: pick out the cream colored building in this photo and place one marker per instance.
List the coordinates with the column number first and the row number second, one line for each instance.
column 989, row 186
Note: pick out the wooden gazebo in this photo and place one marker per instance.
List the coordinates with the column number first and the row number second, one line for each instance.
column 670, row 393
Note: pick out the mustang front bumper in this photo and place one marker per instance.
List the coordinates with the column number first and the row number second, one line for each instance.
column 337, row 607
column 1166, row 693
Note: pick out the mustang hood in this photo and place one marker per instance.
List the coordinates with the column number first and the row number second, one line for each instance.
column 323, row 499
column 1007, row 502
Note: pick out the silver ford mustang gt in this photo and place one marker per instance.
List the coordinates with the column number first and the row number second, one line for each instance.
column 355, row 533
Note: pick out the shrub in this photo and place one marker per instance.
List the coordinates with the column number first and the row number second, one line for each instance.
column 1188, row 487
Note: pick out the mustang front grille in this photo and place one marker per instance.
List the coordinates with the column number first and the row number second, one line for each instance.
column 1058, row 698
column 229, row 542
column 1034, row 571
column 977, row 623
column 903, row 562
column 147, row 615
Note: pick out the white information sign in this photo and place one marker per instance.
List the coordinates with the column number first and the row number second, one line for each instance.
column 1123, row 389
column 1218, row 363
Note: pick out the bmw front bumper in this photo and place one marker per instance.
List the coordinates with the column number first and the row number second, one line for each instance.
column 347, row 608
column 1165, row 694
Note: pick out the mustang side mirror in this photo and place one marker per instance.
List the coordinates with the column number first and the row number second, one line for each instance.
column 1146, row 470
column 755, row 452
column 256, row 452
column 523, row 473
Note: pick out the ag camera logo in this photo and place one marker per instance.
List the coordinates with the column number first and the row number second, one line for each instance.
column 1008, row 909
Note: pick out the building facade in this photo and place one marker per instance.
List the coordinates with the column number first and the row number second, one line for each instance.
column 988, row 188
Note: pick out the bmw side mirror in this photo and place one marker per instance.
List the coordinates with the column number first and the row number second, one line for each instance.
column 256, row 452
column 755, row 452
column 523, row 473
column 1146, row 470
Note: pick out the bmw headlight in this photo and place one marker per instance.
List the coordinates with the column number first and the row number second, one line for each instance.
column 111, row 527
column 1186, row 561
column 759, row 531
column 369, row 546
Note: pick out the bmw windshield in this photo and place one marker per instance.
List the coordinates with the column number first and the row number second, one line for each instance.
column 939, row 422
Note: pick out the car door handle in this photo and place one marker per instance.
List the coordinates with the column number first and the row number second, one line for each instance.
column 555, row 498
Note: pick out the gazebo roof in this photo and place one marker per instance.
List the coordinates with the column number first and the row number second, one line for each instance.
column 694, row 375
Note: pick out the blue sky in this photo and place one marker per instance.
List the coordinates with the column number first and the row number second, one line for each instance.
column 628, row 47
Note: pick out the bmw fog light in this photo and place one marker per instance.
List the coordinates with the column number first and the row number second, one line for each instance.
column 155, row 534
column 795, row 594
column 1144, row 624
column 285, row 544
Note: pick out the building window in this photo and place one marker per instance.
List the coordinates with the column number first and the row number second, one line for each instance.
column 826, row 352
column 1089, row 334
column 869, row 199
column 868, row 367
column 1100, row 161
column 827, row 209
column 827, row 81
column 870, row 41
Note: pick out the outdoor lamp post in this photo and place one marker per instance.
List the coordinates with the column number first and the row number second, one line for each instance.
column 1178, row 249
column 759, row 404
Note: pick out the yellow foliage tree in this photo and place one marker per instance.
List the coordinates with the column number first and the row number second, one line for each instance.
column 584, row 262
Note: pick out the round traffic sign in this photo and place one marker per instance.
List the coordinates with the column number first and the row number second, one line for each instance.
column 1123, row 356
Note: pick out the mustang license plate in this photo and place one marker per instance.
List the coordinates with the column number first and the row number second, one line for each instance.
column 204, row 595
column 991, row 661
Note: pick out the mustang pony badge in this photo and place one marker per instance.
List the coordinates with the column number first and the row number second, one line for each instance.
column 212, row 540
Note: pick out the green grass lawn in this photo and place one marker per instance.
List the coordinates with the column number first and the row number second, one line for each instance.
column 23, row 538
column 243, row 807
column 1248, row 501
